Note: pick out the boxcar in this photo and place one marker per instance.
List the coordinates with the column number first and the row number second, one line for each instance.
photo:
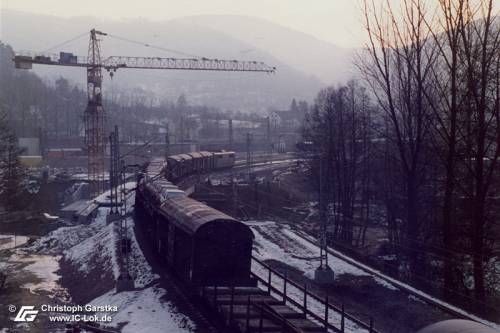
column 205, row 246
column 224, row 159
column 201, row 245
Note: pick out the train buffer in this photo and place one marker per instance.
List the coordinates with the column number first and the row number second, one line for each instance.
column 250, row 309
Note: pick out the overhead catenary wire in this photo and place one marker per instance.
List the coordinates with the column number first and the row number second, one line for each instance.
column 420, row 277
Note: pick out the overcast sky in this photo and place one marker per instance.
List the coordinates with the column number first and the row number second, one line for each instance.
column 336, row 21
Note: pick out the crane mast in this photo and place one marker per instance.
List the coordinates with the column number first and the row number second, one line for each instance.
column 95, row 115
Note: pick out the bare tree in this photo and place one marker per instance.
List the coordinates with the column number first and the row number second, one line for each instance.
column 397, row 66
column 480, row 58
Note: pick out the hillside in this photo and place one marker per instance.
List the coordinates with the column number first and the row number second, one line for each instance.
column 208, row 36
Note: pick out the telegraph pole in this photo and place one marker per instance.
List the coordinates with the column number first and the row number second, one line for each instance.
column 249, row 153
column 125, row 281
column 235, row 195
column 114, row 172
column 167, row 144
column 268, row 137
column 323, row 274
column 230, row 127
column 322, row 216
column 118, row 211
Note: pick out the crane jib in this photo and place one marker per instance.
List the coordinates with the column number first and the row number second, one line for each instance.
column 116, row 62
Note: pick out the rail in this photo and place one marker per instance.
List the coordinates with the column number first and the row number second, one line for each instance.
column 265, row 308
column 423, row 296
column 323, row 320
column 264, row 311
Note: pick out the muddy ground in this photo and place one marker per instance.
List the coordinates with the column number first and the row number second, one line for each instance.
column 29, row 282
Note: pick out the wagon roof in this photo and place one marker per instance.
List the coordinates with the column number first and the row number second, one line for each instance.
column 223, row 152
column 206, row 153
column 185, row 156
column 190, row 214
column 195, row 155
column 175, row 157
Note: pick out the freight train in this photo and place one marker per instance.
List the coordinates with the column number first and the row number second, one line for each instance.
column 202, row 246
column 183, row 165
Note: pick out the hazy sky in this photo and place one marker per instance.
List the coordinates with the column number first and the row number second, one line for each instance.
column 336, row 21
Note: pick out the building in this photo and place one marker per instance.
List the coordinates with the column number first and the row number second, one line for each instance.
column 30, row 152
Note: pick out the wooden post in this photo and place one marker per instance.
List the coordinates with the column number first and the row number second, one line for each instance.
column 342, row 318
column 269, row 281
column 305, row 299
column 231, row 305
column 371, row 325
column 326, row 312
column 215, row 296
column 248, row 315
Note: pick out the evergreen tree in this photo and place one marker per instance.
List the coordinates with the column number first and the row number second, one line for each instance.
column 293, row 107
column 12, row 174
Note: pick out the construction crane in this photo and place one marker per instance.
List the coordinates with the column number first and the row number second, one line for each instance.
column 95, row 115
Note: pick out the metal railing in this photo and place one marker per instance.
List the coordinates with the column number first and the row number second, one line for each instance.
column 307, row 295
column 264, row 311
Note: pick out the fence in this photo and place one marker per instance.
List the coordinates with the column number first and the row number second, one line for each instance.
column 308, row 295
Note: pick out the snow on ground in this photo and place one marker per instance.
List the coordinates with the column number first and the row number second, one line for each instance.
column 45, row 268
column 278, row 242
column 12, row 241
column 144, row 311
column 104, row 197
column 93, row 247
column 393, row 282
column 298, row 296
column 140, row 269
column 65, row 238
column 83, row 254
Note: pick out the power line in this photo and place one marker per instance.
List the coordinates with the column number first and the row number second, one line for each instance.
column 431, row 282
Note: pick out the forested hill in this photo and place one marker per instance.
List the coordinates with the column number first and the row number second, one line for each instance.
column 30, row 103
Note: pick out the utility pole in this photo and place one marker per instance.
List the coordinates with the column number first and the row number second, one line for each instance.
column 322, row 216
column 125, row 281
column 182, row 134
column 167, row 144
column 268, row 138
column 249, row 153
column 230, row 127
column 118, row 210
column 235, row 195
column 114, row 175
column 323, row 274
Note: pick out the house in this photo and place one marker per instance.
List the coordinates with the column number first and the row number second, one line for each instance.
column 285, row 119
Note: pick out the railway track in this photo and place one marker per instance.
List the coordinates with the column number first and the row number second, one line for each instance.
column 251, row 310
column 242, row 306
column 448, row 308
column 428, row 299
